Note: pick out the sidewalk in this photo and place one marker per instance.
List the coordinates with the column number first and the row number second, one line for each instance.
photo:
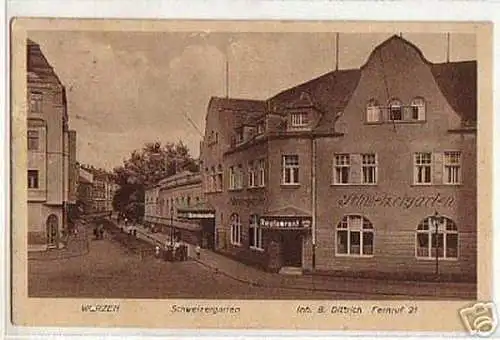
column 255, row 277
column 77, row 245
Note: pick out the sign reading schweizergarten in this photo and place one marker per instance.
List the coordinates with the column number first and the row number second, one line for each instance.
column 387, row 200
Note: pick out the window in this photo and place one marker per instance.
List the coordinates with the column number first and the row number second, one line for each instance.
column 355, row 236
column 255, row 233
column 33, row 140
column 235, row 229
column 342, row 168
column 239, row 177
column 417, row 109
column 452, row 167
column 373, row 112
column 239, row 135
column 290, row 169
column 212, row 180
column 395, row 110
column 232, row 178
column 219, row 178
column 423, row 165
column 251, row 175
column 262, row 173
column 36, row 100
column 32, row 179
column 299, row 119
column 445, row 244
column 369, row 165
column 188, row 201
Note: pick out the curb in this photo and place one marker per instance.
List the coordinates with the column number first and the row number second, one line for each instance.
column 310, row 289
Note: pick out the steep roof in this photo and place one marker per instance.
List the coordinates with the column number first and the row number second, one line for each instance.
column 236, row 104
column 458, row 83
column 39, row 69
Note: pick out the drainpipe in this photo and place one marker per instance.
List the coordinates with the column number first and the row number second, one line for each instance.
column 313, row 189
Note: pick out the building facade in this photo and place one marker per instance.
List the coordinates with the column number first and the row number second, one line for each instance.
column 364, row 170
column 103, row 191
column 176, row 205
column 85, row 189
column 51, row 177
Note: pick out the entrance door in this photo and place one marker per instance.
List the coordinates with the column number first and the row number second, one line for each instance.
column 292, row 249
column 52, row 231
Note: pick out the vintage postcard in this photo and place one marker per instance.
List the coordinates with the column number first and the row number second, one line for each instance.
column 254, row 175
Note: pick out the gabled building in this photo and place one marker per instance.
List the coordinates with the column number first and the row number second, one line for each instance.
column 51, row 175
column 357, row 170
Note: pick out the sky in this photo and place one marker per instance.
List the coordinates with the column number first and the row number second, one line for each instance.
column 125, row 89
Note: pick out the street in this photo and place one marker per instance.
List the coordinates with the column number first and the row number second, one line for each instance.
column 109, row 270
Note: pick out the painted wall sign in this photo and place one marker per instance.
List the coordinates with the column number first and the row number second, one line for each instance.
column 285, row 222
column 387, row 200
column 247, row 200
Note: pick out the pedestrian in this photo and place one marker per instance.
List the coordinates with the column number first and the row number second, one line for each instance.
column 157, row 251
column 198, row 251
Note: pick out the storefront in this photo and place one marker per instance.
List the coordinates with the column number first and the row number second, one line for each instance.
column 205, row 217
column 286, row 235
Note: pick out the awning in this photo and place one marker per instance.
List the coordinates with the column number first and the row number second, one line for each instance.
column 287, row 218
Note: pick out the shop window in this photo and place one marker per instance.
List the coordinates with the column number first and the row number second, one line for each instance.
column 444, row 242
column 373, row 112
column 342, row 167
column 255, row 233
column 395, row 110
column 262, row 172
column 417, row 108
column 290, row 169
column 423, row 168
column 251, row 175
column 33, row 140
column 235, row 229
column 33, row 179
column 452, row 166
column 354, row 236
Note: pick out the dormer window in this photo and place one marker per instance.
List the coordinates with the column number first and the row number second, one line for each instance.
column 417, row 109
column 299, row 119
column 395, row 110
column 373, row 112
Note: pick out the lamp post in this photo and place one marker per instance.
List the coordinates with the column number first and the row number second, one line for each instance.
column 436, row 220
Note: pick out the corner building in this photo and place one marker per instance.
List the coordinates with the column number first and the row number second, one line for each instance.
column 352, row 171
column 51, row 175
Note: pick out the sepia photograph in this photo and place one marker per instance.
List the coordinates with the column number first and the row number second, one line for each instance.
column 244, row 165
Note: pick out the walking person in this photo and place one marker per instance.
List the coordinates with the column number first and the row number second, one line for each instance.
column 198, row 251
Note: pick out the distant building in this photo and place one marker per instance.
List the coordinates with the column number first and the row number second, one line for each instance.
column 103, row 190
column 51, row 176
column 356, row 171
column 179, row 199
column 85, row 189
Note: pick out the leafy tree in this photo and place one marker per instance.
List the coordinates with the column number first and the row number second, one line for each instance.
column 144, row 168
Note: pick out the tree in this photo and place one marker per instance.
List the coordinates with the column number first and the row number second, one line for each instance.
column 144, row 168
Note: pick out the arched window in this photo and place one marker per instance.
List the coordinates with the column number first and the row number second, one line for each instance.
column 447, row 238
column 235, row 229
column 373, row 112
column 255, row 233
column 395, row 110
column 354, row 236
column 219, row 177
column 417, row 109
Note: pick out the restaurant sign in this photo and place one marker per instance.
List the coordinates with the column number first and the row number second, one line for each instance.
column 286, row 222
